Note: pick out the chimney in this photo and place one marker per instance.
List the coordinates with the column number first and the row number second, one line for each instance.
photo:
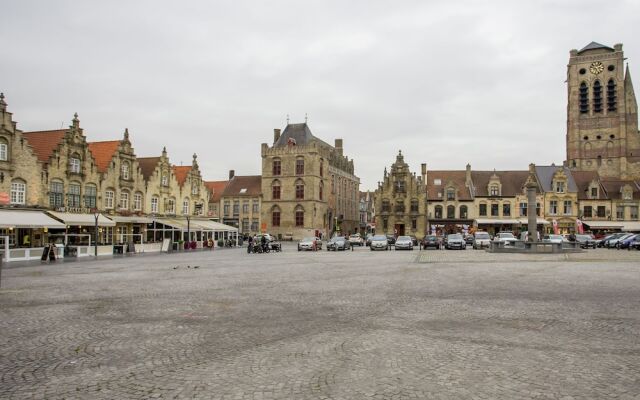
column 231, row 174
column 276, row 135
column 468, row 175
column 532, row 168
column 339, row 146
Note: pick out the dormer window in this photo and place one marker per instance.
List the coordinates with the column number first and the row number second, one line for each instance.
column 627, row 193
column 559, row 186
column 451, row 194
column 494, row 190
column 74, row 165
column 594, row 192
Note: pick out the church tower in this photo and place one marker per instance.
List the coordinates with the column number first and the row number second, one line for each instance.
column 602, row 113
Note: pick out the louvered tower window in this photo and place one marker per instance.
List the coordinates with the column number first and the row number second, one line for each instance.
column 611, row 95
column 597, row 97
column 584, row 98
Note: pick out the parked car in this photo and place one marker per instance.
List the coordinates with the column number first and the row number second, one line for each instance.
column 468, row 239
column 308, row 243
column 404, row 242
column 635, row 243
column 338, row 243
column 481, row 240
column 505, row 237
column 455, row 241
column 615, row 242
column 605, row 240
column 356, row 240
column 379, row 242
column 431, row 241
column 553, row 239
column 368, row 240
column 391, row 239
column 626, row 241
column 414, row 240
column 586, row 241
column 269, row 237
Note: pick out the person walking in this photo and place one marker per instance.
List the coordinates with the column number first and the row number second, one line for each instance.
column 263, row 242
column 250, row 246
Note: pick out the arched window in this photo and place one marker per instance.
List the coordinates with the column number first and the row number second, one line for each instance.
column 137, row 201
column 185, row 206
column 464, row 214
column 275, row 216
column 299, row 216
column 154, row 204
column 74, row 163
column 451, row 212
column 597, row 97
column 4, row 150
column 438, row 212
column 90, row 194
column 494, row 191
column 321, row 190
column 124, row 200
column 299, row 189
column 56, row 193
column 18, row 191
column 275, row 190
column 124, row 170
column 584, row 98
column 73, row 197
column 611, row 95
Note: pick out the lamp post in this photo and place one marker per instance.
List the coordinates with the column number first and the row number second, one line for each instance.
column 95, row 234
column 188, row 232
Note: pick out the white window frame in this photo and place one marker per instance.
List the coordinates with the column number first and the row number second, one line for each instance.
column 567, row 210
column 154, row 204
column 560, row 187
column 137, row 202
column 108, row 199
column 4, row 152
column 171, row 206
column 18, row 192
column 164, row 181
column 194, row 189
column 124, row 170
column 185, row 206
column 74, row 165
column 124, row 201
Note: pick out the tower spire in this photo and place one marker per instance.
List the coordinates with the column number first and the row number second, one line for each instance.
column 629, row 94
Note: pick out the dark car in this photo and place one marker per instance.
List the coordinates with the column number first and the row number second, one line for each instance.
column 468, row 239
column 414, row 240
column 338, row 243
column 625, row 242
column 431, row 241
column 391, row 239
column 586, row 241
column 455, row 241
column 604, row 242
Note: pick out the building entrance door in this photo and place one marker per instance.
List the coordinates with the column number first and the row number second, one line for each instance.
column 399, row 230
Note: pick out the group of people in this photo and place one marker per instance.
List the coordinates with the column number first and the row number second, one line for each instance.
column 257, row 245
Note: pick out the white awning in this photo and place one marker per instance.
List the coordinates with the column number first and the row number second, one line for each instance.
column 603, row 224
column 196, row 225
column 81, row 219
column 28, row 219
column 484, row 221
column 214, row 226
column 130, row 219
column 175, row 223
column 631, row 226
column 539, row 221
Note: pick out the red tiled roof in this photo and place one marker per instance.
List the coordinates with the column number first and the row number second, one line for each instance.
column 148, row 165
column 250, row 185
column 44, row 142
column 216, row 188
column 181, row 173
column 458, row 178
column 103, row 153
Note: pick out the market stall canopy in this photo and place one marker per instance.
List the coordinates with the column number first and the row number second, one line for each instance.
column 539, row 221
column 603, row 224
column 482, row 221
column 81, row 219
column 28, row 219
column 130, row 219
column 196, row 224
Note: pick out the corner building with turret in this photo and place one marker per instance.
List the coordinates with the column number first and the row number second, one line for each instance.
column 308, row 186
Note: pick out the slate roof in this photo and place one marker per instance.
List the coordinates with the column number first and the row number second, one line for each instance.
column 511, row 181
column 148, row 165
column 613, row 188
column 583, row 180
column 103, row 153
column 216, row 188
column 299, row 132
column 181, row 173
column 594, row 46
column 44, row 142
column 457, row 177
column 545, row 177
column 252, row 185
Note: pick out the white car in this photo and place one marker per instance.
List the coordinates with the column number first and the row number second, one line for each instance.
column 379, row 242
column 505, row 237
column 356, row 240
column 404, row 242
column 481, row 240
column 553, row 239
column 308, row 243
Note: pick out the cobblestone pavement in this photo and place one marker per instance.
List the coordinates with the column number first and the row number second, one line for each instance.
column 347, row 325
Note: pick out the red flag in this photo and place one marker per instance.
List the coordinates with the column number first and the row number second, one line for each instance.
column 556, row 230
column 579, row 226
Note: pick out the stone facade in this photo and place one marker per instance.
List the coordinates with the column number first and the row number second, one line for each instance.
column 241, row 203
column 307, row 186
column 162, row 187
column 400, row 201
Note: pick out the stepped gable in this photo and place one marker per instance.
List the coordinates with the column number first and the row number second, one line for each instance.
column 511, row 181
column 44, row 142
column 458, row 178
column 103, row 153
column 250, row 185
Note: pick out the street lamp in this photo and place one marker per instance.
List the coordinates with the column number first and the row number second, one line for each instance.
column 96, row 215
column 188, row 232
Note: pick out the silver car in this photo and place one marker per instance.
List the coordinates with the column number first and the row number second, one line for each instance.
column 379, row 242
column 308, row 243
column 404, row 243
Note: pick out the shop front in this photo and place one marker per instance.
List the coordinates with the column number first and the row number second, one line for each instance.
column 603, row 227
column 24, row 233
column 130, row 233
column 447, row 226
column 195, row 232
column 496, row 225
column 80, row 233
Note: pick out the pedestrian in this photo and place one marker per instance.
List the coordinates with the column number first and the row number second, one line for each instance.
column 250, row 247
column 263, row 242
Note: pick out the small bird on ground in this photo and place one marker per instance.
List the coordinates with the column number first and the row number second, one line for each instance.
column 188, row 266
column 176, row 267
column 197, row 266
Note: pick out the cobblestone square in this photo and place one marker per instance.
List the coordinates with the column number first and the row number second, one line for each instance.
column 324, row 325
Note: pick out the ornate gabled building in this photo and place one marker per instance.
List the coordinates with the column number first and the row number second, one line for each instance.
column 194, row 196
column 161, row 184
column 602, row 113
column 400, row 201
column 308, row 186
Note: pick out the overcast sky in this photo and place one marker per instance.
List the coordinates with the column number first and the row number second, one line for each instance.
column 447, row 82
